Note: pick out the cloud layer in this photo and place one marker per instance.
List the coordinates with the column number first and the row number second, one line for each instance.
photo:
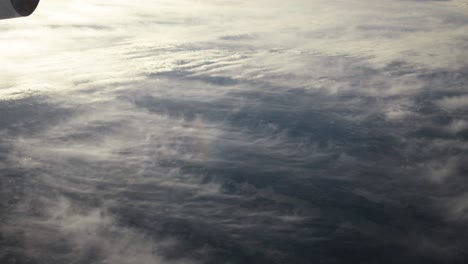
column 234, row 132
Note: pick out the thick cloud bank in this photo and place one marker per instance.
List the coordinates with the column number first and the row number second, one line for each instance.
column 141, row 132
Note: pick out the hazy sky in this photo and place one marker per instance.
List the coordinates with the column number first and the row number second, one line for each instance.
column 302, row 131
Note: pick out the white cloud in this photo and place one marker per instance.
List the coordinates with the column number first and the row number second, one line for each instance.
column 458, row 207
column 95, row 230
column 454, row 103
column 457, row 126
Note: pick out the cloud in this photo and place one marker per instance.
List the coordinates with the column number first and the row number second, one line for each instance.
column 229, row 132
column 454, row 103
column 89, row 235
column 458, row 207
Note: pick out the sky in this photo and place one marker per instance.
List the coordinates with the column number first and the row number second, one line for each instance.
column 217, row 131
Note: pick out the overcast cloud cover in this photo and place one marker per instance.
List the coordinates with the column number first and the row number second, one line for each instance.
column 183, row 131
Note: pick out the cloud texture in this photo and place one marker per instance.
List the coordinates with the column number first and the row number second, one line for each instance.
column 234, row 132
